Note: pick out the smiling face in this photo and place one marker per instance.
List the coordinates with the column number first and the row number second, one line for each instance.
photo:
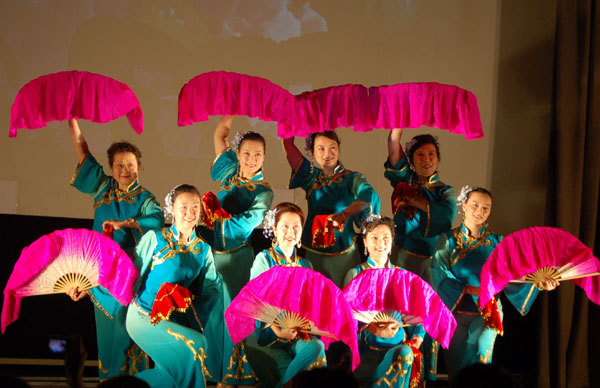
column 125, row 169
column 326, row 152
column 251, row 156
column 425, row 159
column 477, row 209
column 379, row 243
column 288, row 230
column 186, row 211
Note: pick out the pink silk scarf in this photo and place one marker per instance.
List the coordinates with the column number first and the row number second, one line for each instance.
column 74, row 94
column 298, row 289
column 527, row 250
column 407, row 105
column 116, row 271
column 384, row 289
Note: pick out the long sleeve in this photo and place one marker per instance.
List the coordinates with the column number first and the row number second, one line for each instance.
column 448, row 287
column 399, row 172
column 364, row 191
column 440, row 214
column 209, row 286
column 89, row 177
column 151, row 215
column 304, row 176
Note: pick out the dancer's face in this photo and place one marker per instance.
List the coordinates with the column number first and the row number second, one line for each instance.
column 125, row 169
column 425, row 159
column 251, row 157
column 379, row 243
column 477, row 209
column 288, row 230
column 186, row 211
column 326, row 152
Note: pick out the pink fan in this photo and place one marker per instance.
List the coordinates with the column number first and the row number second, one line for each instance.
column 64, row 259
column 531, row 255
column 226, row 93
column 74, row 94
column 294, row 297
column 378, row 295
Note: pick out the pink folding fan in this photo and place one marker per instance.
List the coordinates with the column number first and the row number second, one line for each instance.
column 74, row 94
column 64, row 259
column 534, row 254
column 393, row 294
column 294, row 297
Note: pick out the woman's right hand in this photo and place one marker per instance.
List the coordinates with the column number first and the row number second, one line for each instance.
column 288, row 334
column 75, row 294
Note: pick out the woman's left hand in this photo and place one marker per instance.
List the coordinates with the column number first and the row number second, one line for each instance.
column 339, row 219
column 116, row 224
column 416, row 340
column 548, row 285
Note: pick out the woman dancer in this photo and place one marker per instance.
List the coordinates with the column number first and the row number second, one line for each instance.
column 122, row 205
column 174, row 255
column 284, row 347
column 246, row 197
column 331, row 189
column 389, row 353
column 459, row 258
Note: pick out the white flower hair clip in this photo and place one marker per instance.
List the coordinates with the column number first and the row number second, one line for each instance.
column 168, row 209
column 269, row 224
column 237, row 140
column 371, row 217
column 464, row 194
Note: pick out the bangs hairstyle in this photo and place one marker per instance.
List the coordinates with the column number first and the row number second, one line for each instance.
column 123, row 146
column 255, row 136
column 481, row 190
column 328, row 134
column 368, row 226
column 288, row 207
column 421, row 140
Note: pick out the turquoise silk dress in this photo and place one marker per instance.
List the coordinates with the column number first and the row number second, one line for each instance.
column 117, row 354
column 176, row 344
column 330, row 194
column 457, row 264
column 274, row 359
column 386, row 362
column 247, row 201
column 416, row 238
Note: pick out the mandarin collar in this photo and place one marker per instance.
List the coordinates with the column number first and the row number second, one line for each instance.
column 466, row 236
column 175, row 235
column 132, row 186
column 279, row 252
column 371, row 264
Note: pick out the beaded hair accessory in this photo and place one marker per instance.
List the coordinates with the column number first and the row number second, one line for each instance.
column 269, row 224
column 372, row 217
column 237, row 140
column 168, row 209
column 464, row 194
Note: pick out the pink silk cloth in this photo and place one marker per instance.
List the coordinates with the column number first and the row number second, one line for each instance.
column 226, row 93
column 406, row 105
column 116, row 271
column 384, row 289
column 527, row 250
column 74, row 94
column 298, row 289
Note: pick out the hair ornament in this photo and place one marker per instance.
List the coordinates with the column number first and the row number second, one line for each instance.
column 371, row 217
column 308, row 143
column 237, row 140
column 168, row 209
column 269, row 224
column 410, row 145
column 464, row 194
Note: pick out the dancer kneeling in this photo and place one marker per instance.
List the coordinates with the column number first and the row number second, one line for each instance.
column 285, row 347
column 177, row 258
column 389, row 352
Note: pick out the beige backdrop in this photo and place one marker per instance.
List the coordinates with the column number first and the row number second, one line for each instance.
column 156, row 46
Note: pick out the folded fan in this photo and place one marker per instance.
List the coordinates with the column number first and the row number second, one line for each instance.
column 65, row 259
column 533, row 254
column 376, row 291
column 74, row 94
column 294, row 297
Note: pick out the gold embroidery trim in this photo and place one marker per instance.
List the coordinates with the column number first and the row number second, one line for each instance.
column 131, row 355
column 527, row 300
column 99, row 306
column 428, row 221
column 409, row 358
column 101, row 367
column 464, row 247
column 201, row 356
column 77, row 169
column 320, row 363
column 237, row 360
column 113, row 195
column 324, row 180
column 174, row 248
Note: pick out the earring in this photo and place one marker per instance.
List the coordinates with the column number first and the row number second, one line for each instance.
column 299, row 245
column 274, row 242
column 366, row 252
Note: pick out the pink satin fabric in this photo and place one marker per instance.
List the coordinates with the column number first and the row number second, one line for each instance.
column 527, row 250
column 385, row 289
column 116, row 271
column 74, row 94
column 408, row 105
column 298, row 289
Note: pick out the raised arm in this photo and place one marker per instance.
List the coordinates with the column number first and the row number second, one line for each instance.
column 221, row 134
column 395, row 152
column 292, row 153
column 81, row 147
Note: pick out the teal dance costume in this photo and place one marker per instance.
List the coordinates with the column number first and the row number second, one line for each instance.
column 176, row 345
column 277, row 360
column 457, row 264
column 247, row 201
column 117, row 354
column 386, row 362
column 330, row 194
